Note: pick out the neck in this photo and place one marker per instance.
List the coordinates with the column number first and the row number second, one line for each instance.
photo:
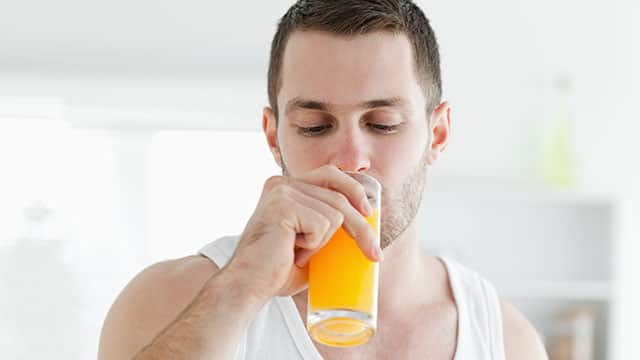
column 405, row 273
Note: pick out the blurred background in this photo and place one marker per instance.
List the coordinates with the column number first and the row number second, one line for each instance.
column 130, row 134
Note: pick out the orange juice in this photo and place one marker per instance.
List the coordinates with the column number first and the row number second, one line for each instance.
column 343, row 283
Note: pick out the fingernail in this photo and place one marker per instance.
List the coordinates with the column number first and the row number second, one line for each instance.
column 300, row 263
column 380, row 253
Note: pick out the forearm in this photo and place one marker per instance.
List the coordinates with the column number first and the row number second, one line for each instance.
column 210, row 327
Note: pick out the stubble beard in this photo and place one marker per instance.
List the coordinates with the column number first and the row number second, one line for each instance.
column 400, row 207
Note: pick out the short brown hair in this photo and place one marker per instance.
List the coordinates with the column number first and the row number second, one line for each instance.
column 357, row 17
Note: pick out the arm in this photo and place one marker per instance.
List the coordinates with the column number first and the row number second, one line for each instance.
column 211, row 326
column 183, row 308
column 521, row 341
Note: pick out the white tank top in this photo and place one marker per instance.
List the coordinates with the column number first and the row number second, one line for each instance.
column 278, row 331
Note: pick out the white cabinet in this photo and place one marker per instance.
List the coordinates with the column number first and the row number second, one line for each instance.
column 547, row 252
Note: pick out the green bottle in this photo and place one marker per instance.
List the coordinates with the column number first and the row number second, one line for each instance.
column 559, row 161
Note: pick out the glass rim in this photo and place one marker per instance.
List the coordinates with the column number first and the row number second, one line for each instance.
column 372, row 186
column 366, row 176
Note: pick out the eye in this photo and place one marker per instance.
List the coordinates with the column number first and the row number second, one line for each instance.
column 385, row 129
column 313, row 130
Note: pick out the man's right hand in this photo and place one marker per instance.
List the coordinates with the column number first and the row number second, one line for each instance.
column 294, row 218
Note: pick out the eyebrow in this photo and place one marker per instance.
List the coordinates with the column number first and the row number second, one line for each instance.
column 300, row 103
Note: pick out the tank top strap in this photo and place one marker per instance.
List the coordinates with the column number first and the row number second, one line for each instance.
column 480, row 333
column 220, row 250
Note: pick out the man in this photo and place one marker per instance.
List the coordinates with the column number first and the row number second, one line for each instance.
column 353, row 86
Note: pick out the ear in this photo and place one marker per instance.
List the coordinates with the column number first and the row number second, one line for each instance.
column 270, row 129
column 440, row 128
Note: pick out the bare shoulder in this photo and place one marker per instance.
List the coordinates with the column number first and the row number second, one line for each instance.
column 150, row 302
column 521, row 340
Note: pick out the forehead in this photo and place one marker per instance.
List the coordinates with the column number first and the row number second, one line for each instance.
column 348, row 70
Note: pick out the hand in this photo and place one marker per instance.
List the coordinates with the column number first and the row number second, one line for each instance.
column 294, row 218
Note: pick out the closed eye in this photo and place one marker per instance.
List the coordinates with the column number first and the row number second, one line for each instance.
column 322, row 129
column 385, row 129
column 313, row 130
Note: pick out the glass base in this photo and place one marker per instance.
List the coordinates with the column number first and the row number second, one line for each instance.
column 340, row 328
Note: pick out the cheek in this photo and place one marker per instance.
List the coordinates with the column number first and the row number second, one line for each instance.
column 398, row 160
column 302, row 155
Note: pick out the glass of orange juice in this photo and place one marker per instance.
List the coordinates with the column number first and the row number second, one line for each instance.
column 343, row 283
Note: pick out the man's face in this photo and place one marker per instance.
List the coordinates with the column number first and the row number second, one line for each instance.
column 355, row 103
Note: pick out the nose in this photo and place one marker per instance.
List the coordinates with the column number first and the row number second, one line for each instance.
column 352, row 153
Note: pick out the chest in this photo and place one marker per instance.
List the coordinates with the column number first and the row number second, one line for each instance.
column 430, row 334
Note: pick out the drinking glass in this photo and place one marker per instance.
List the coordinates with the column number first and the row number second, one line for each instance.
column 343, row 283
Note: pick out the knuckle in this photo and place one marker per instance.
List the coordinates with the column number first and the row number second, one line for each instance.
column 333, row 169
column 315, row 242
column 307, row 241
column 336, row 219
column 357, row 189
column 329, row 167
column 361, row 189
column 329, row 173
column 272, row 182
column 282, row 191
column 328, row 229
column 326, row 225
column 340, row 199
column 279, row 201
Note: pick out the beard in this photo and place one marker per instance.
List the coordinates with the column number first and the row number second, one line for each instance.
column 399, row 207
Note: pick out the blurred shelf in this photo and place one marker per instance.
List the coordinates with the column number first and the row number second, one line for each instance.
column 570, row 290
column 516, row 193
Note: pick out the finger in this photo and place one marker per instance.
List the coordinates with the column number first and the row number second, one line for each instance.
column 333, row 217
column 311, row 227
column 354, row 223
column 307, row 247
column 299, row 280
column 332, row 178
column 303, row 256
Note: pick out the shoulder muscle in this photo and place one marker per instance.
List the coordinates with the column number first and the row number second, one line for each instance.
column 521, row 341
column 150, row 302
